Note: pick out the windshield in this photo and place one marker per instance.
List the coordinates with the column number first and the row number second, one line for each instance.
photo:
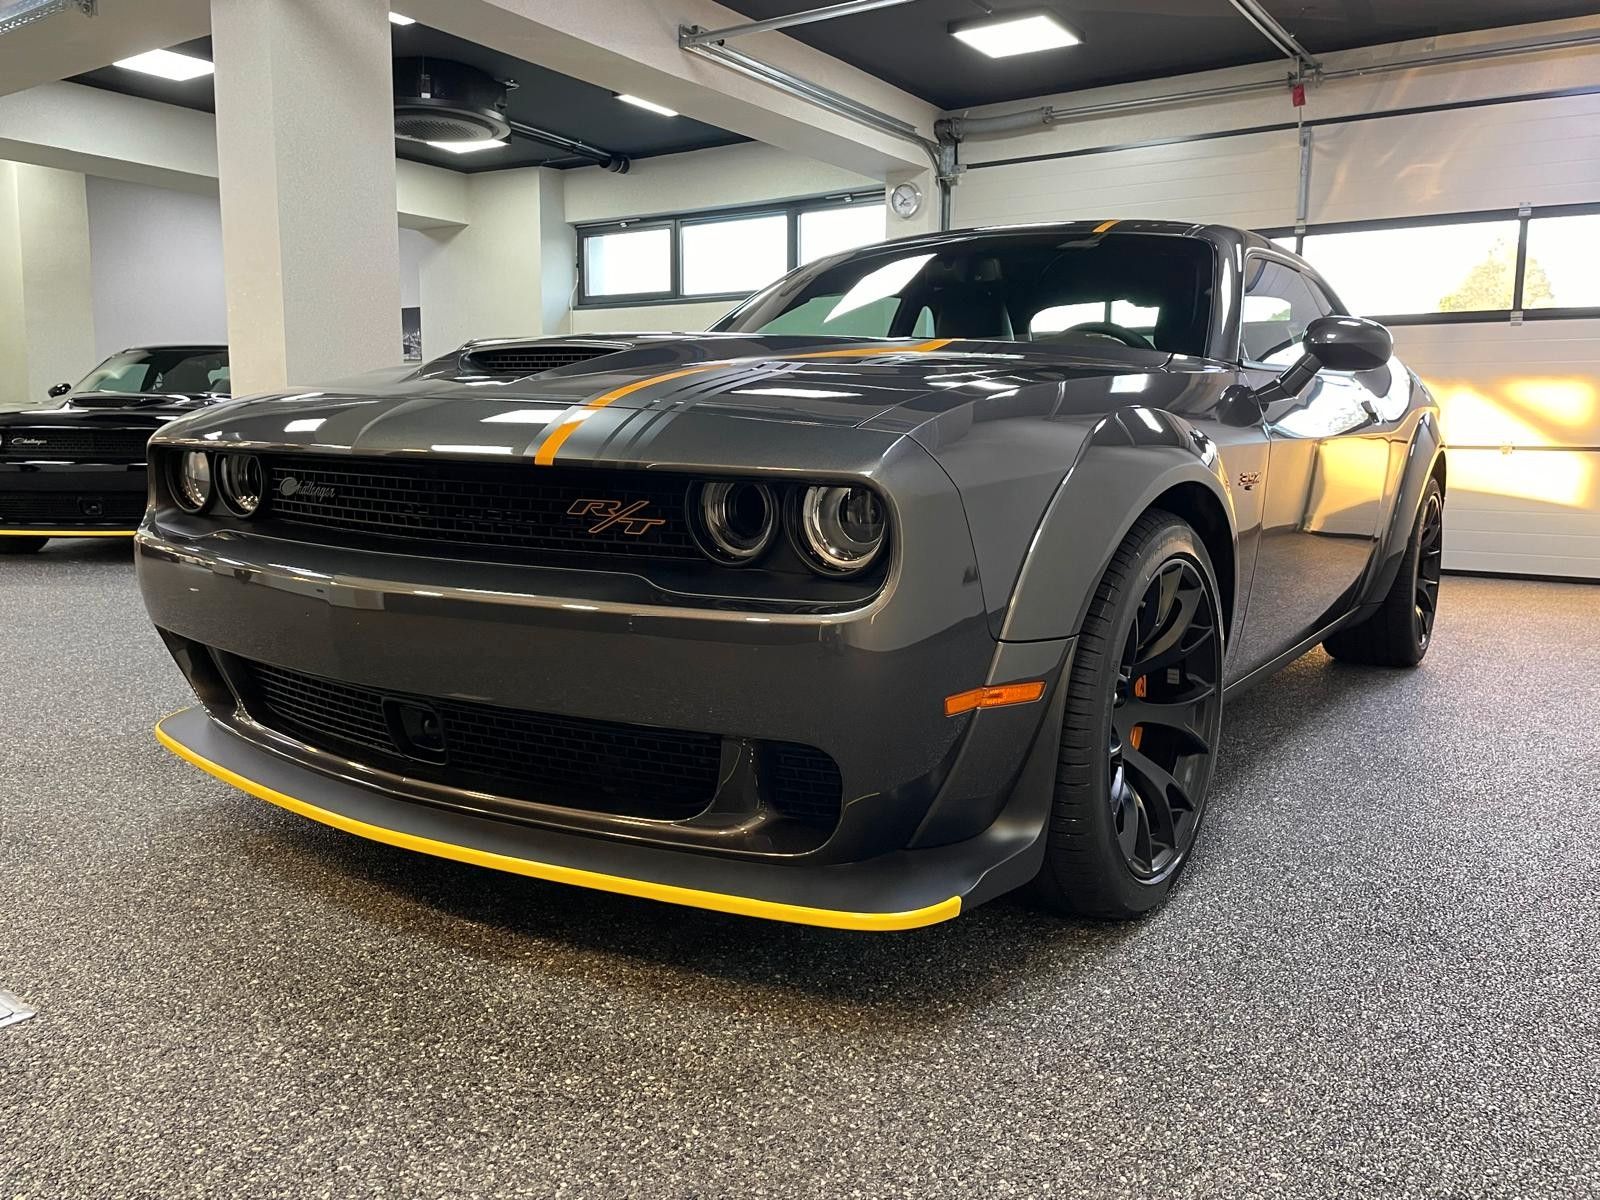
column 1144, row 290
column 193, row 371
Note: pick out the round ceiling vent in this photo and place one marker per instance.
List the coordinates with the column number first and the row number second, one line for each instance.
column 436, row 100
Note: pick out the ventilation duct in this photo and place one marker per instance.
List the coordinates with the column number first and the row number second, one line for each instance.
column 436, row 100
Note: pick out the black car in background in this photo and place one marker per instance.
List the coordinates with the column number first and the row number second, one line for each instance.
column 78, row 470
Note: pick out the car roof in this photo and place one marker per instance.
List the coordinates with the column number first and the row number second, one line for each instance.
column 197, row 347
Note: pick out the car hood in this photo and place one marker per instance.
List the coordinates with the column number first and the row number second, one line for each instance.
column 841, row 383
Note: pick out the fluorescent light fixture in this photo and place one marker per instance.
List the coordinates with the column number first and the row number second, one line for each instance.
column 1006, row 34
column 167, row 64
column 468, row 147
column 648, row 105
column 401, row 19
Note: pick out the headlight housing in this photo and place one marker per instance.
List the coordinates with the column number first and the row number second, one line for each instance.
column 842, row 530
column 241, row 483
column 734, row 521
column 191, row 480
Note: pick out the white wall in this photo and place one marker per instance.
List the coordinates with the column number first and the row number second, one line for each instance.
column 1519, row 386
column 155, row 259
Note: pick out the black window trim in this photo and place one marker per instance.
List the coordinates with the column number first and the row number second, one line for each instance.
column 1524, row 217
column 1318, row 285
column 790, row 209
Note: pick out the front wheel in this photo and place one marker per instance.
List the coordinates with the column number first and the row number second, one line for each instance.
column 1143, row 715
column 22, row 545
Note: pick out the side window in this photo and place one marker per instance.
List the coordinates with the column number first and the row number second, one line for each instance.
column 1279, row 302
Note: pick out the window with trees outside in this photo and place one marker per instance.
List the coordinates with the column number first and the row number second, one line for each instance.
column 1541, row 262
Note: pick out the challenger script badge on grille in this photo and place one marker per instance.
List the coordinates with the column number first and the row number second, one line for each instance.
column 290, row 486
column 615, row 512
column 29, row 441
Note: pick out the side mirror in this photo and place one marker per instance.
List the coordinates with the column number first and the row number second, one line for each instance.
column 1349, row 343
column 60, row 389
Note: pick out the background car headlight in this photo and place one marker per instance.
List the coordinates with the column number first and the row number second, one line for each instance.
column 191, row 480
column 734, row 521
column 841, row 528
column 239, row 482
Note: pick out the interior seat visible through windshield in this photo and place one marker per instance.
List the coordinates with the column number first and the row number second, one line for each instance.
column 1145, row 291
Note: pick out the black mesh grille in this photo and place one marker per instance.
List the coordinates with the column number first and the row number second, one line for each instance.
column 517, row 507
column 803, row 783
column 94, row 445
column 531, row 360
column 597, row 765
column 73, row 508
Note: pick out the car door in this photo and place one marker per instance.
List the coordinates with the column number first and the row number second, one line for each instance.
column 1327, row 467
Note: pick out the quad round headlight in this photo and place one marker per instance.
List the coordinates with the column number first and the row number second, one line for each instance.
column 240, row 482
column 734, row 521
column 841, row 528
column 191, row 480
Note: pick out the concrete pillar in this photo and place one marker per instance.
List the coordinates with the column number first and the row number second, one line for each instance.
column 306, row 169
column 508, row 273
column 46, row 293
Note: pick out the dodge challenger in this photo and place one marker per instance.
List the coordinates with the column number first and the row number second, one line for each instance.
column 78, row 470
column 922, row 577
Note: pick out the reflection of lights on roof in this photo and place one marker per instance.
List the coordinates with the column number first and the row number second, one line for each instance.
column 305, row 425
column 797, row 393
column 525, row 416
column 472, row 449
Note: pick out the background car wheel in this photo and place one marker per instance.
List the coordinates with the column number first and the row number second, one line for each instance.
column 1143, row 713
column 1400, row 632
column 22, row 545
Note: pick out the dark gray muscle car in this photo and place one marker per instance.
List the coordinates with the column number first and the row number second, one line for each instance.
column 919, row 579
column 78, row 470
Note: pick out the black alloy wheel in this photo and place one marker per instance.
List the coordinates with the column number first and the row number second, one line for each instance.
column 1163, row 720
column 1430, row 557
column 1143, row 716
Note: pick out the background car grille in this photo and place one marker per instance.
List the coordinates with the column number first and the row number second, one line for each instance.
column 531, row 360
column 628, row 769
column 483, row 504
column 93, row 445
column 603, row 766
column 125, row 509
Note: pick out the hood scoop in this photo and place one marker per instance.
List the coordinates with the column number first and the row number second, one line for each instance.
column 534, row 358
column 124, row 399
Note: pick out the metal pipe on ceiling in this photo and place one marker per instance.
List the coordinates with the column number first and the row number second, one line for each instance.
column 1267, row 25
column 608, row 159
column 1002, row 123
column 703, row 37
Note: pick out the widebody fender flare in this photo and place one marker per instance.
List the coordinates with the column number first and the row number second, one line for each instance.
column 1423, row 455
column 1133, row 457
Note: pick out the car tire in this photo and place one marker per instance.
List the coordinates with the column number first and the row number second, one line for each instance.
column 1140, row 731
column 22, row 545
column 1400, row 632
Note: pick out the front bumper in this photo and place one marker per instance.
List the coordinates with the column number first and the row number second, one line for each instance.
column 937, row 813
column 57, row 499
column 898, row 891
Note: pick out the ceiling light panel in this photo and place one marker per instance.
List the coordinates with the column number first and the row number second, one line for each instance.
column 1003, row 36
column 167, row 64
column 401, row 19
column 467, row 147
column 647, row 105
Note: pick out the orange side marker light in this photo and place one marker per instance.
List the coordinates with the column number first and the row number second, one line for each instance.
column 993, row 697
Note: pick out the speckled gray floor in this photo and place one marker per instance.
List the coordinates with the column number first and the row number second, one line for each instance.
column 1380, row 978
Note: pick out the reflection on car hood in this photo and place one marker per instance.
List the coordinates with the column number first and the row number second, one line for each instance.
column 450, row 407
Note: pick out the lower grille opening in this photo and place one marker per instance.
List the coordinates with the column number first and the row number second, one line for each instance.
column 600, row 766
column 124, row 509
column 803, row 783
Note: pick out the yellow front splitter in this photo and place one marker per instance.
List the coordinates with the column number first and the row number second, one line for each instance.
column 744, row 906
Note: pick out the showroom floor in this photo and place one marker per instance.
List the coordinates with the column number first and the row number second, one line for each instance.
column 1380, row 977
